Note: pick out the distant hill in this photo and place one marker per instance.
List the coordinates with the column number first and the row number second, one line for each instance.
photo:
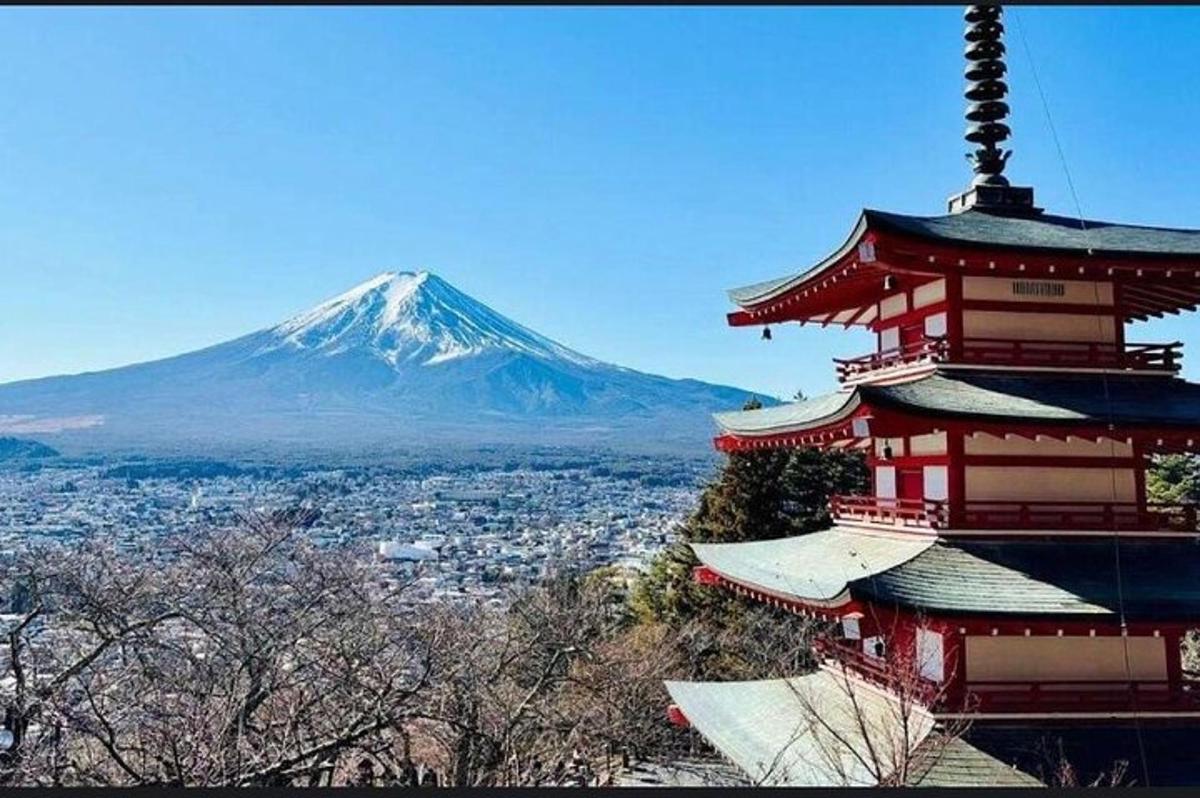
column 402, row 359
column 21, row 449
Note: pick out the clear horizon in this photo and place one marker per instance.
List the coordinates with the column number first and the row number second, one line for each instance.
column 181, row 177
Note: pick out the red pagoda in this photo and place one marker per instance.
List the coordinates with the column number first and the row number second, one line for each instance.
column 1007, row 545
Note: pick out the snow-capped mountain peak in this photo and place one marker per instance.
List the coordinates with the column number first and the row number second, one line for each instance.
column 412, row 318
column 402, row 359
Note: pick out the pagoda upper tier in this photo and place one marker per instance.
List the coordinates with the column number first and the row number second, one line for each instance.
column 983, row 289
column 1158, row 265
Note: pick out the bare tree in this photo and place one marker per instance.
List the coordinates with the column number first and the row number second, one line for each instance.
column 528, row 694
column 236, row 657
column 250, row 656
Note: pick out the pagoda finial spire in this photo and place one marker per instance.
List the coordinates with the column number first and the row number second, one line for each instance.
column 986, row 115
column 985, row 92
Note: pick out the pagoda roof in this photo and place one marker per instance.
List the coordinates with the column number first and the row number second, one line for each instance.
column 752, row 722
column 804, row 414
column 958, row 762
column 1158, row 580
column 1025, row 397
column 815, row 730
column 1042, row 233
column 1040, row 398
column 816, row 568
column 767, row 729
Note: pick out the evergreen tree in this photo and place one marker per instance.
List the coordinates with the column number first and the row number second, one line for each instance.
column 745, row 502
column 810, row 478
column 667, row 593
column 1173, row 478
column 757, row 496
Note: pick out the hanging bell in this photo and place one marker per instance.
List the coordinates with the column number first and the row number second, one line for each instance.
column 766, row 336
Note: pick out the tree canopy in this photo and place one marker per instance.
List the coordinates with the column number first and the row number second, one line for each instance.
column 758, row 495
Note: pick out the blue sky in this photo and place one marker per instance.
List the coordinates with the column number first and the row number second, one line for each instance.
column 172, row 178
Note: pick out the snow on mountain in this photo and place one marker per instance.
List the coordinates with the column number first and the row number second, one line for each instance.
column 406, row 317
column 403, row 358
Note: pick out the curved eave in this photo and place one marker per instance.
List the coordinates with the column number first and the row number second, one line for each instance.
column 819, row 421
column 769, row 728
column 814, row 570
column 751, row 298
column 755, row 294
column 845, row 283
column 1021, row 578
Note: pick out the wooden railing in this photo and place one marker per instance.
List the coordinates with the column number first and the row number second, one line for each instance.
column 1068, row 696
column 995, row 351
column 899, row 512
column 1134, row 357
column 927, row 349
column 1098, row 516
column 1180, row 517
column 1009, row 696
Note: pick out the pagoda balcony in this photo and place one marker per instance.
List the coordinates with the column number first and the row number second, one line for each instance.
column 1031, row 354
column 1083, row 697
column 1067, row 354
column 1048, row 696
column 923, row 513
column 1181, row 517
column 927, row 350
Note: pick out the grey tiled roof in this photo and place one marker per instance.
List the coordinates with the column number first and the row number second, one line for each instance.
column 816, row 566
column 788, row 416
column 1159, row 579
column 955, row 762
column 814, row 730
column 751, row 294
column 768, row 729
column 1045, row 233
column 1157, row 401
column 1082, row 398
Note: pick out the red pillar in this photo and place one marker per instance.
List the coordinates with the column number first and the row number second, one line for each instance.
column 1140, row 461
column 1119, row 320
column 954, row 315
column 956, row 477
column 1172, row 640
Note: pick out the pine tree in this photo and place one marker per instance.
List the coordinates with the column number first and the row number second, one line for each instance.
column 746, row 502
column 811, row 477
column 758, row 495
column 1173, row 479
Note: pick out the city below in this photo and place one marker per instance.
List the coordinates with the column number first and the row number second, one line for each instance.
column 461, row 530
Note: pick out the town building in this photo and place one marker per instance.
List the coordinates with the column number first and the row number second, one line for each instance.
column 1007, row 551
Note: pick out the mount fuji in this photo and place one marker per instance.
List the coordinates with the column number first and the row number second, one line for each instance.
column 402, row 359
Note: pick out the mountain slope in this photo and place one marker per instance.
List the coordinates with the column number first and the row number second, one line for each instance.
column 401, row 359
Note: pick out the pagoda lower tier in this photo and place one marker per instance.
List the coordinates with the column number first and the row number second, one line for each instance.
column 993, row 628
column 962, row 452
column 829, row 728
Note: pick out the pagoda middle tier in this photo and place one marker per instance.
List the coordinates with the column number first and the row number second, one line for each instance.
column 985, row 452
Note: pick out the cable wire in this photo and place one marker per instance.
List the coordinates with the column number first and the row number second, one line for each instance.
column 1116, row 537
